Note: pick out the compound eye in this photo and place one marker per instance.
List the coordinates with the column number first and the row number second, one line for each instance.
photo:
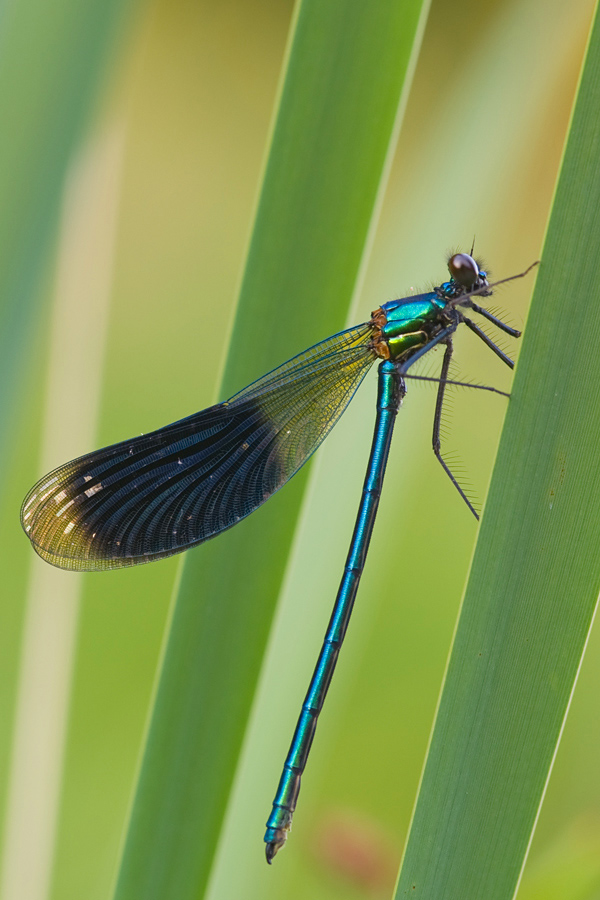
column 464, row 270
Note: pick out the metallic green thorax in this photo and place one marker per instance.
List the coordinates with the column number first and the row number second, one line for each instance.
column 402, row 326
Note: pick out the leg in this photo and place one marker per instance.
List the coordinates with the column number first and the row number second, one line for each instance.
column 467, row 384
column 437, row 421
column 495, row 321
column 486, row 340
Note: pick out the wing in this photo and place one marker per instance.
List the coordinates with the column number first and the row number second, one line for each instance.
column 160, row 493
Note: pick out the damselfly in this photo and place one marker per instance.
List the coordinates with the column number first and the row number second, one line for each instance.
column 163, row 492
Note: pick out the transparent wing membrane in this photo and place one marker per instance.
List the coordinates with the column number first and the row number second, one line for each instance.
column 160, row 493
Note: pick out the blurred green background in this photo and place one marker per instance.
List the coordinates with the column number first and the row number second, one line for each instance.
column 123, row 326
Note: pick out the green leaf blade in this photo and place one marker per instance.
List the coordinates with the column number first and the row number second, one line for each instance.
column 336, row 122
column 535, row 577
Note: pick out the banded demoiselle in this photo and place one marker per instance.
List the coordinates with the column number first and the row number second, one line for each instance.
column 163, row 492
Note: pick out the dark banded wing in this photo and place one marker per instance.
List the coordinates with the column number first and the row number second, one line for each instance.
column 160, row 493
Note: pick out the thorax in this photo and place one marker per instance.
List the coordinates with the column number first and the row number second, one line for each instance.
column 402, row 326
